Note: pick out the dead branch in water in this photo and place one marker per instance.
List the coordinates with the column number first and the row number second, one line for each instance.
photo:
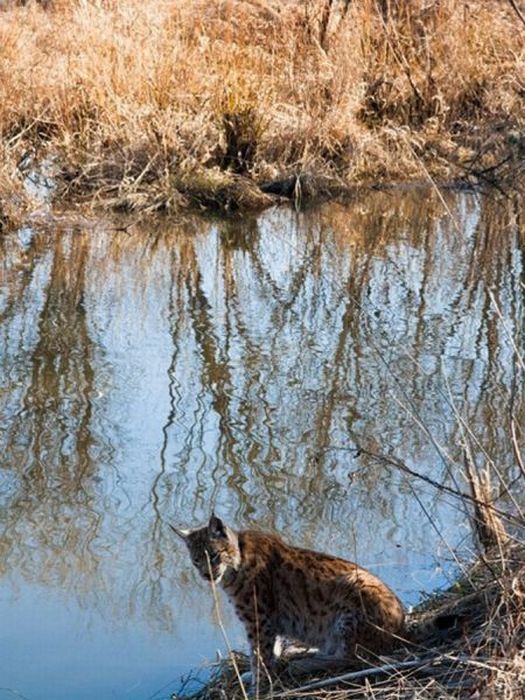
column 486, row 523
column 456, row 493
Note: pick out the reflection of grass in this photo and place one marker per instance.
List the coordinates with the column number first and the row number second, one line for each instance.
column 138, row 98
column 466, row 641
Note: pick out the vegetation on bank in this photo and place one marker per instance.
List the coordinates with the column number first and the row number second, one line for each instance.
column 467, row 642
column 141, row 104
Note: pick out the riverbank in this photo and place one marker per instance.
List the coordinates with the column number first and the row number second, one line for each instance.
column 149, row 106
column 477, row 651
column 465, row 642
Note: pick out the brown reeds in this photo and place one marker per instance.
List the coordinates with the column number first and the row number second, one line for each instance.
column 466, row 642
column 15, row 199
column 481, row 654
column 151, row 105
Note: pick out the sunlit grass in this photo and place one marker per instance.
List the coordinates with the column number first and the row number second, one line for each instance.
column 136, row 97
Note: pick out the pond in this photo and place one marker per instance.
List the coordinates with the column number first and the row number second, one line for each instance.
column 260, row 367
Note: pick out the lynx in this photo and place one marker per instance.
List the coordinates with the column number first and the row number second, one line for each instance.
column 280, row 591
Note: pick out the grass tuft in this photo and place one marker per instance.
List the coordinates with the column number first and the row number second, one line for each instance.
column 130, row 98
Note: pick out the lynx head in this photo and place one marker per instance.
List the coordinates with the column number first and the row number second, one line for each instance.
column 214, row 549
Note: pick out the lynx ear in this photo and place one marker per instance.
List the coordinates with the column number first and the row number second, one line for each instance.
column 216, row 528
column 183, row 534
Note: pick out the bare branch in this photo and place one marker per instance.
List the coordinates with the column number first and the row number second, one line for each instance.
column 517, row 10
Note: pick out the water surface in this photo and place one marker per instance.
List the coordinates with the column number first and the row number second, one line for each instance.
column 250, row 366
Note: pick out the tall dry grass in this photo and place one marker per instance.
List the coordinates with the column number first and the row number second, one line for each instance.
column 149, row 103
column 15, row 200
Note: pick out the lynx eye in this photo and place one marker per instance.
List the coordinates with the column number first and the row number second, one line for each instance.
column 214, row 558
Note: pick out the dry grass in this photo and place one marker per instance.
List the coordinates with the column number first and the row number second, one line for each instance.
column 483, row 656
column 467, row 642
column 156, row 103
column 15, row 201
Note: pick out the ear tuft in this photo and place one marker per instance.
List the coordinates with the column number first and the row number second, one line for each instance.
column 216, row 528
column 183, row 534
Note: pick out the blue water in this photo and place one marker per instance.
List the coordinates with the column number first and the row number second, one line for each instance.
column 147, row 378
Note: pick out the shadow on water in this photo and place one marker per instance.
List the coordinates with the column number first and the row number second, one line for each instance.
column 240, row 365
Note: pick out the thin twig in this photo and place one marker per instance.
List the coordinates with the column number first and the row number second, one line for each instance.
column 515, row 447
column 14, row 139
column 391, row 461
column 467, row 433
column 517, row 10
column 223, row 630
column 434, row 185
column 517, row 351
column 356, row 675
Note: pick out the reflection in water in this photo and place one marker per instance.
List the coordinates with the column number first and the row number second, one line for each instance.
column 239, row 365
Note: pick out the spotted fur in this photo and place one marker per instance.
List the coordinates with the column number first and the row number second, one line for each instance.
column 278, row 590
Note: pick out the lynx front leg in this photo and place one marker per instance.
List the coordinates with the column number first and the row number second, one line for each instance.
column 262, row 642
column 254, row 611
column 262, row 638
